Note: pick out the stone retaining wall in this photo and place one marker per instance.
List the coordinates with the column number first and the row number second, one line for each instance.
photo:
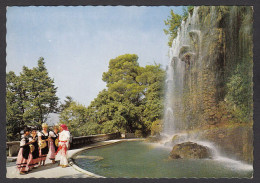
column 13, row 148
column 86, row 140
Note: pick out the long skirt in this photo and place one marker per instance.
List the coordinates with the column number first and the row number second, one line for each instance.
column 43, row 153
column 62, row 154
column 21, row 162
column 32, row 162
column 52, row 151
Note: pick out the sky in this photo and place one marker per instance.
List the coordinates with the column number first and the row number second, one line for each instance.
column 78, row 42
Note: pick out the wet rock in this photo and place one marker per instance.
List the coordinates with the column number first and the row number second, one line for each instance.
column 175, row 138
column 190, row 150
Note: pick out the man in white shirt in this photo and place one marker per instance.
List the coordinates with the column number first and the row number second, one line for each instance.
column 64, row 138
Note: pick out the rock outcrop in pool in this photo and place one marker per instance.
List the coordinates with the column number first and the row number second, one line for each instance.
column 190, row 150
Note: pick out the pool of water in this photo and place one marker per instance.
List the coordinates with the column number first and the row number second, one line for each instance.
column 138, row 159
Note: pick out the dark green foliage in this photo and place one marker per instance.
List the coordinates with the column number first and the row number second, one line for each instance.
column 240, row 93
column 15, row 94
column 30, row 97
column 131, row 102
column 239, row 69
column 133, row 99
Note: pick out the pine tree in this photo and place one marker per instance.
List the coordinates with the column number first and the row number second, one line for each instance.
column 30, row 98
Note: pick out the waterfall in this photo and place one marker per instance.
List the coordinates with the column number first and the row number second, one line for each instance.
column 181, row 54
column 204, row 47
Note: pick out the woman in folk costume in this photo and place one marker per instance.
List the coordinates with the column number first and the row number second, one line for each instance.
column 54, row 142
column 34, row 149
column 43, row 138
column 64, row 138
column 24, row 152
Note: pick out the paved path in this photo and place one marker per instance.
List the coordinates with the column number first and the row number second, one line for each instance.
column 53, row 170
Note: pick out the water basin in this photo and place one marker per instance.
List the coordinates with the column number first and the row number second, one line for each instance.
column 138, row 159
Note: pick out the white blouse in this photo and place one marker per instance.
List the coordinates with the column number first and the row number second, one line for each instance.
column 31, row 138
column 64, row 136
column 52, row 134
column 22, row 142
column 40, row 133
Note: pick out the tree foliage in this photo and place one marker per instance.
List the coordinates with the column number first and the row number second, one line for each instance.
column 15, row 95
column 156, row 127
column 131, row 102
column 75, row 118
column 133, row 98
column 30, row 97
column 173, row 22
column 66, row 103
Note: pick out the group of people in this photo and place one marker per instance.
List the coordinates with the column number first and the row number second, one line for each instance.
column 35, row 147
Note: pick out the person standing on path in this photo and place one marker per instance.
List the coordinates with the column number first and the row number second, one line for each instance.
column 22, row 158
column 54, row 142
column 64, row 138
column 43, row 137
column 34, row 148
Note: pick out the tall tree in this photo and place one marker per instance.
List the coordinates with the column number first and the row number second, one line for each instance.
column 131, row 102
column 132, row 92
column 41, row 93
column 30, row 98
column 152, row 77
column 121, row 80
column 15, row 98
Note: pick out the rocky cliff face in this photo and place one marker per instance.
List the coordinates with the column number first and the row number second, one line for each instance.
column 235, row 142
column 209, row 79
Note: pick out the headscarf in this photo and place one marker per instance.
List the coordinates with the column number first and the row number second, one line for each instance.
column 64, row 127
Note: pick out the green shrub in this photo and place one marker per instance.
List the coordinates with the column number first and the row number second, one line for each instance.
column 156, row 128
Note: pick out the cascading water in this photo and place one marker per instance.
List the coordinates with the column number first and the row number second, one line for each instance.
column 181, row 54
column 192, row 72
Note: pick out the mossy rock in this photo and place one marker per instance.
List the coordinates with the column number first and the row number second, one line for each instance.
column 190, row 150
